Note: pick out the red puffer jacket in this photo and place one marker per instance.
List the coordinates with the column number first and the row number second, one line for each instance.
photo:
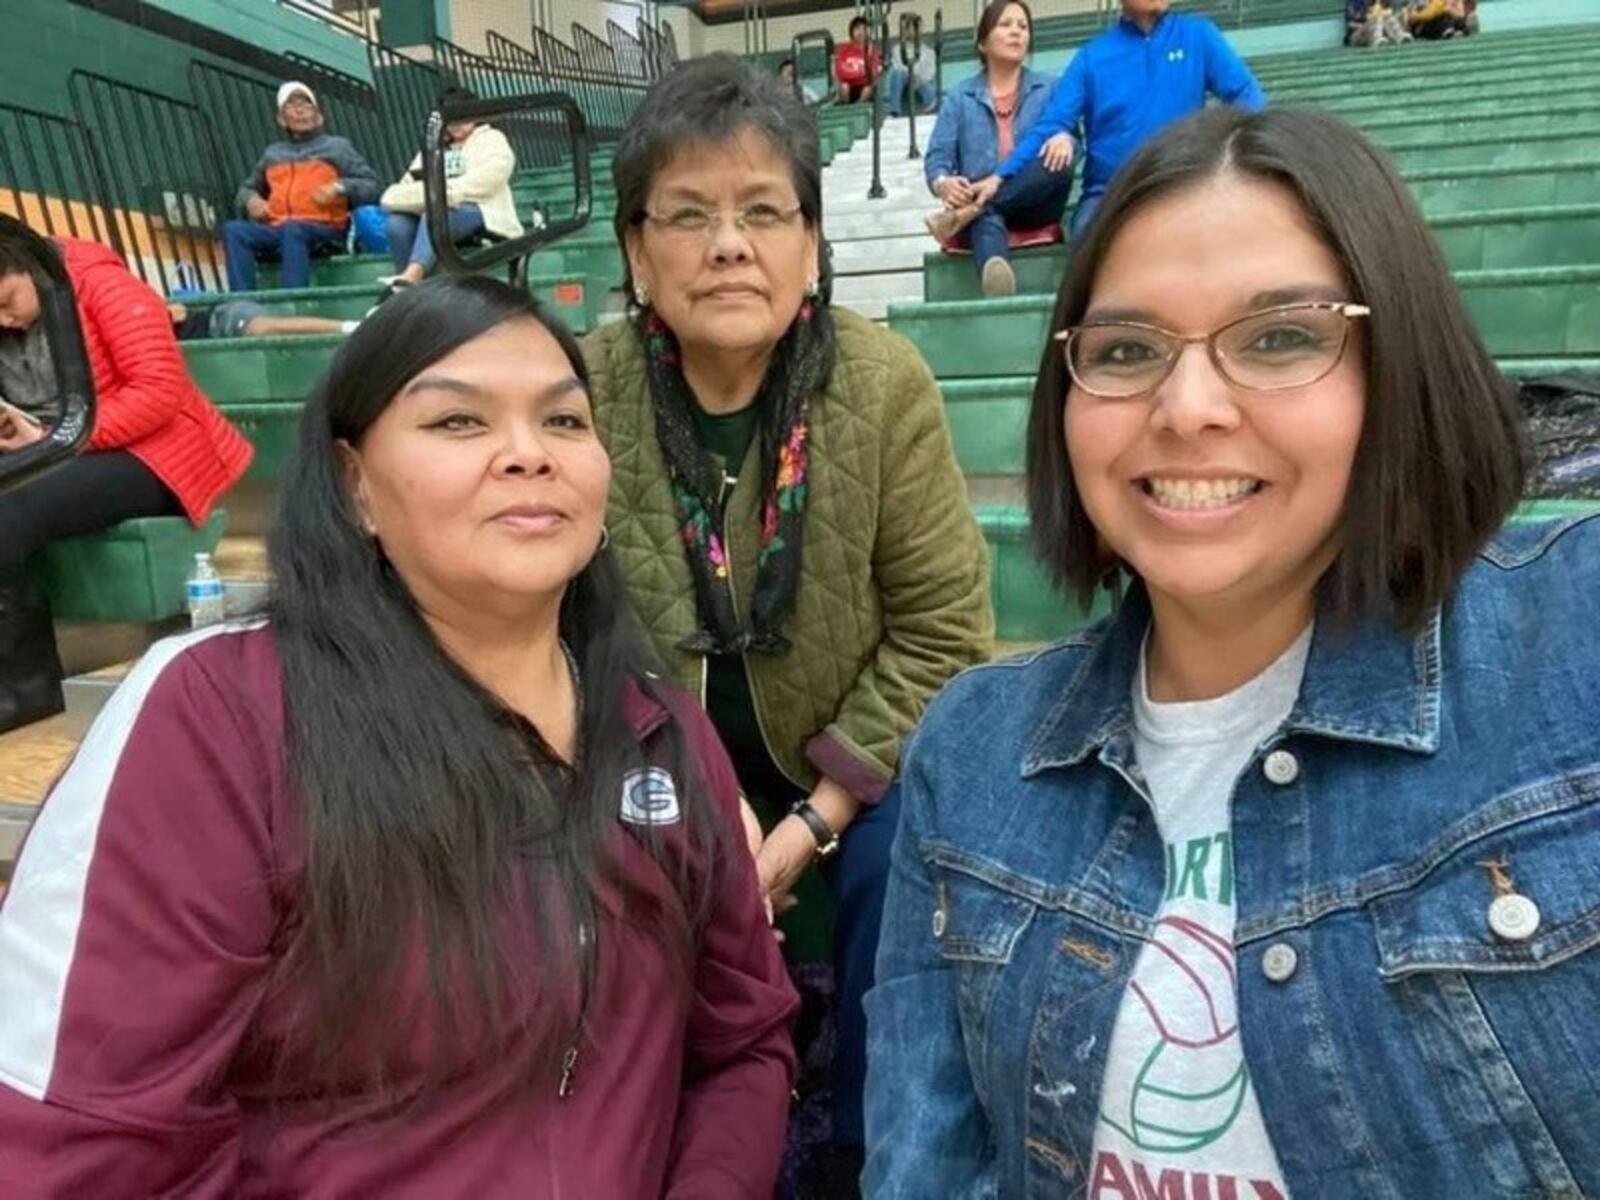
column 146, row 403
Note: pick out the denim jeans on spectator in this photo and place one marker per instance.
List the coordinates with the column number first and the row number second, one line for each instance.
column 1085, row 210
column 1030, row 199
column 409, row 241
column 897, row 88
column 291, row 243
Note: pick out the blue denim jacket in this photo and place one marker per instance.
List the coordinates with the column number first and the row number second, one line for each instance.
column 965, row 138
column 1409, row 1053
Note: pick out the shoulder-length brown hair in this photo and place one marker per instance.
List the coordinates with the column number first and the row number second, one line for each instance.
column 1440, row 461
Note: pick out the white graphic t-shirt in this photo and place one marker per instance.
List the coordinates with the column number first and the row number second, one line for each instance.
column 1178, row 1114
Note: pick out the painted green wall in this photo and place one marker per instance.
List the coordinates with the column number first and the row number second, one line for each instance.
column 57, row 37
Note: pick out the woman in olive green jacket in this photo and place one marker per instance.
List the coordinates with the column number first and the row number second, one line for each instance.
column 785, row 501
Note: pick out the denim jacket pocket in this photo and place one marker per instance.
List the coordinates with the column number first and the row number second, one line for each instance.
column 1490, row 943
column 978, row 923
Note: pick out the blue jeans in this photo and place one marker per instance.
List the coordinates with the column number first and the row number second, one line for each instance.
column 1030, row 199
column 292, row 243
column 1085, row 210
column 859, row 877
column 409, row 241
column 897, row 88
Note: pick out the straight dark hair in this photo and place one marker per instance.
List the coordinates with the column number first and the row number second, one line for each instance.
column 24, row 251
column 429, row 813
column 1440, row 463
column 992, row 12
column 707, row 102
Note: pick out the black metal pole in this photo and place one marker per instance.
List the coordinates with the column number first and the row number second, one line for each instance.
column 880, row 20
column 911, row 23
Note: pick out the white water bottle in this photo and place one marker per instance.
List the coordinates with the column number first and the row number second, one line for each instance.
column 206, row 596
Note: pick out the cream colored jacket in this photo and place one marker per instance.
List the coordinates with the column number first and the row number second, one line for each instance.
column 476, row 172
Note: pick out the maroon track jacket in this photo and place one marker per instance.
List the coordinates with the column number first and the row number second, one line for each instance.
column 150, row 903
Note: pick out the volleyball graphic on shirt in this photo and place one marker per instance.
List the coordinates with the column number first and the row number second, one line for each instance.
column 1184, row 1081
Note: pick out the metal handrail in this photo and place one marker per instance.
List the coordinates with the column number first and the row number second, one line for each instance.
column 513, row 250
column 877, row 19
column 911, row 28
column 756, row 31
column 796, row 46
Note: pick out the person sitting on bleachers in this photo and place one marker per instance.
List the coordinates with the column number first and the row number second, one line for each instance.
column 786, row 72
column 1152, row 68
column 423, row 884
column 857, row 64
column 158, row 447
column 297, row 201
column 978, row 127
column 1283, row 879
column 926, row 63
column 478, row 166
column 1433, row 20
column 1373, row 23
column 786, row 508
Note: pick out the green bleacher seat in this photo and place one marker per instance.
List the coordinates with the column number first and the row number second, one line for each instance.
column 273, row 429
column 1456, row 189
column 245, row 370
column 132, row 572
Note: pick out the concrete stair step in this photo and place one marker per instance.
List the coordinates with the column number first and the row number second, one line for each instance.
column 875, row 255
column 892, row 221
column 895, row 287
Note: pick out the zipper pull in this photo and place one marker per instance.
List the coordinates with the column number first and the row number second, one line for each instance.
column 569, row 1068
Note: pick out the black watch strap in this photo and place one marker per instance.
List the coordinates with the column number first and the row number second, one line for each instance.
column 827, row 839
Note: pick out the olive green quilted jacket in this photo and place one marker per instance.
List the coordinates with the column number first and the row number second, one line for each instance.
column 894, row 586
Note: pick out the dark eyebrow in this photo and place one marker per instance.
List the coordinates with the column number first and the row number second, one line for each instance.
column 470, row 391
column 1276, row 297
column 1300, row 294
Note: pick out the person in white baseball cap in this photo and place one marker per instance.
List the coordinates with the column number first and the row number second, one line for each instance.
column 297, row 201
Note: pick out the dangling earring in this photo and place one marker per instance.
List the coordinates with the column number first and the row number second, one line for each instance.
column 813, row 290
column 641, row 295
column 605, row 538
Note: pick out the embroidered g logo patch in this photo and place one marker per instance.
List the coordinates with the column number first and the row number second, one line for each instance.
column 649, row 797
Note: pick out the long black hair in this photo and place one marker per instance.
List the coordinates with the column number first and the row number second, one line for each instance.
column 430, row 813
column 1440, row 463
column 26, row 252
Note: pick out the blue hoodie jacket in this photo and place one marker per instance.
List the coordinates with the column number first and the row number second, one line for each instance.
column 1126, row 85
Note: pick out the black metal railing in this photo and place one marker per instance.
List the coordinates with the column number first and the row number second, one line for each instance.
column 547, row 107
column 240, row 118
column 152, row 154
column 537, row 135
column 408, row 90
column 597, row 55
column 47, row 177
column 822, row 39
column 606, row 100
column 627, row 51
column 351, row 109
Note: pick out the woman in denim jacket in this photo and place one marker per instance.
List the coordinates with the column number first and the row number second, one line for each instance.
column 1284, row 880
column 980, row 122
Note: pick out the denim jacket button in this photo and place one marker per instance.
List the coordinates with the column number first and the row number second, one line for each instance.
column 938, row 922
column 1281, row 768
column 1513, row 917
column 1279, row 962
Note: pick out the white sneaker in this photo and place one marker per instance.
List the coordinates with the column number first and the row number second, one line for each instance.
column 998, row 278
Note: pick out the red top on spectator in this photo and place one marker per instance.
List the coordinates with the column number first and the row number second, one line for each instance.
column 146, row 403
column 850, row 64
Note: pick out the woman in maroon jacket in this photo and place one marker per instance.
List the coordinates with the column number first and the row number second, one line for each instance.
column 158, row 447
column 422, row 886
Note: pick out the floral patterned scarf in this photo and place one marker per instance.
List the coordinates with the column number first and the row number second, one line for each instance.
column 800, row 367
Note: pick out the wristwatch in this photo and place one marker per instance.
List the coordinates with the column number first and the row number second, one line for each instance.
column 827, row 839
